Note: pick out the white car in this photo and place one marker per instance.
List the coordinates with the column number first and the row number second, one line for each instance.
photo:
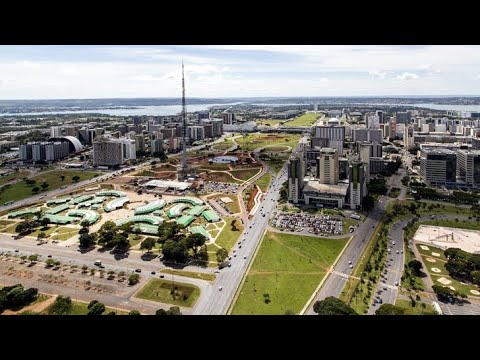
column 220, row 288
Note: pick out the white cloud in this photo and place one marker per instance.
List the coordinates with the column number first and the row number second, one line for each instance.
column 407, row 76
column 378, row 74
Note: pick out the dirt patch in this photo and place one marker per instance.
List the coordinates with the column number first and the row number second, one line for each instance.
column 436, row 270
column 423, row 247
column 436, row 254
column 431, row 260
column 444, row 281
column 475, row 292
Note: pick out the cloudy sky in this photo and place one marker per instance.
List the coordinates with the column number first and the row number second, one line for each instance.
column 52, row 72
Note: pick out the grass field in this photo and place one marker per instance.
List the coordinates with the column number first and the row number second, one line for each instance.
column 275, row 148
column 466, row 224
column 222, row 146
column 228, row 237
column 169, row 292
column 264, row 181
column 221, row 177
column 268, row 122
column 195, row 275
column 21, row 190
column 251, row 142
column 81, row 308
column 234, row 207
column 15, row 175
column 245, row 174
column 285, row 273
column 304, row 120
column 419, row 309
column 133, row 240
column 276, row 162
column 213, row 166
column 145, row 173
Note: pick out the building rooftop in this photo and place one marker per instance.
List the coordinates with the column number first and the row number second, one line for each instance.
column 316, row 186
column 437, row 150
column 326, row 150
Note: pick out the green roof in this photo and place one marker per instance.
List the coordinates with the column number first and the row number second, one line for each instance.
column 111, row 193
column 58, row 209
column 81, row 198
column 154, row 220
column 58, row 219
column 58, row 201
column 189, row 200
column 210, row 216
column 185, row 220
column 89, row 215
column 115, row 204
column 196, row 210
column 199, row 230
column 147, row 228
column 176, row 210
column 150, row 207
column 19, row 213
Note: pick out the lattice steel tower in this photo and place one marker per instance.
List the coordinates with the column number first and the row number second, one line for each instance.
column 184, row 165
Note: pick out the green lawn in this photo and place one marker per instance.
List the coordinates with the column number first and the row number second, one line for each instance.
column 223, row 146
column 195, row 275
column 419, row 309
column 6, row 222
column 221, row 177
column 468, row 224
column 268, row 122
column 264, row 181
column 306, row 120
column 81, row 308
column 133, row 240
column 346, row 224
column 228, row 237
column 288, row 268
column 429, row 252
column 161, row 291
column 233, row 207
column 216, row 167
column 21, row 190
column 15, row 175
column 276, row 163
column 251, row 142
column 144, row 173
column 245, row 174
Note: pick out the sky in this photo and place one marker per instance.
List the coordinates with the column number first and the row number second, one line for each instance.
column 78, row 72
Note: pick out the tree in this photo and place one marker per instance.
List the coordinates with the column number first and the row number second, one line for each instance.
column 121, row 241
column 169, row 231
column 289, row 312
column 160, row 312
column 35, row 189
column 62, row 177
column 24, row 227
column 133, row 279
column 174, row 251
column 174, row 310
column 75, row 178
column 106, row 233
column 203, row 253
column 41, row 235
column 415, row 266
column 222, row 254
column 332, row 306
column 44, row 185
column 50, row 262
column 97, row 309
column 83, row 230
column 85, row 223
column 134, row 312
column 61, row 306
column 87, row 240
column 368, row 202
column 193, row 241
column 389, row 309
column 44, row 222
column 148, row 244
column 90, row 305
column 33, row 258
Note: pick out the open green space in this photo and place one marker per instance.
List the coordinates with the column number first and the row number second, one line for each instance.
column 234, row 207
column 245, row 174
column 465, row 224
column 347, row 222
column 22, row 190
column 429, row 252
column 251, row 142
column 81, row 308
column 15, row 175
column 145, row 173
column 6, row 222
column 419, row 309
column 215, row 167
column 169, row 292
column 195, row 275
column 285, row 273
column 306, row 120
column 264, row 181
column 223, row 146
column 135, row 239
column 276, row 161
column 229, row 234
column 268, row 122
column 221, row 177
column 394, row 192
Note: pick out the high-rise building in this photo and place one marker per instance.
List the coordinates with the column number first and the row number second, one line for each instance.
column 156, row 146
column 217, row 127
column 361, row 134
column 468, row 167
column 107, row 153
column 296, row 177
column 438, row 166
column 43, row 151
column 373, row 122
column 140, row 142
column 174, row 143
column 335, row 135
column 229, row 118
column 56, row 131
column 379, row 113
column 408, row 137
column 403, row 117
column 364, row 152
column 357, row 182
column 328, row 166
column 196, row 132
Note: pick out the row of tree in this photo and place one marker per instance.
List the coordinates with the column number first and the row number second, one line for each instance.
column 16, row 296
column 462, row 265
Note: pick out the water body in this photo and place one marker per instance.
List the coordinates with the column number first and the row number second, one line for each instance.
column 161, row 110
column 167, row 110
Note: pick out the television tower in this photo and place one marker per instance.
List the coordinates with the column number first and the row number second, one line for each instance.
column 184, row 166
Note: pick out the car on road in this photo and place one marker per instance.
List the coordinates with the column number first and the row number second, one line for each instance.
column 16, row 250
column 350, row 262
column 396, row 283
column 220, row 288
column 380, row 301
column 393, row 242
column 401, row 251
column 351, row 266
column 245, row 257
column 229, row 264
column 97, row 262
column 398, row 252
column 239, row 246
column 138, row 270
column 153, row 273
column 162, row 276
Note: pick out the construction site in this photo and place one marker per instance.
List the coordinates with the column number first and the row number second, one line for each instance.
column 446, row 237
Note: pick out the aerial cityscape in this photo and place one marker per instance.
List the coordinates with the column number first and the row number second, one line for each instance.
column 240, row 180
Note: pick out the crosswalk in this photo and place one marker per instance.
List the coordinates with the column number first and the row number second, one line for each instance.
column 460, row 309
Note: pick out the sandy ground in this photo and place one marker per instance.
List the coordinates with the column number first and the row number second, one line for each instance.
column 431, row 260
column 475, row 292
column 445, row 237
column 444, row 281
column 436, row 270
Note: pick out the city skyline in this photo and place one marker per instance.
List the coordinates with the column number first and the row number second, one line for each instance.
column 62, row 72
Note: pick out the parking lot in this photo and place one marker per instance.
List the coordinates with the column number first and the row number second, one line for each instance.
column 226, row 188
column 315, row 224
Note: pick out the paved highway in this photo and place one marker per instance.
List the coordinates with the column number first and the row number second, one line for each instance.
column 221, row 295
